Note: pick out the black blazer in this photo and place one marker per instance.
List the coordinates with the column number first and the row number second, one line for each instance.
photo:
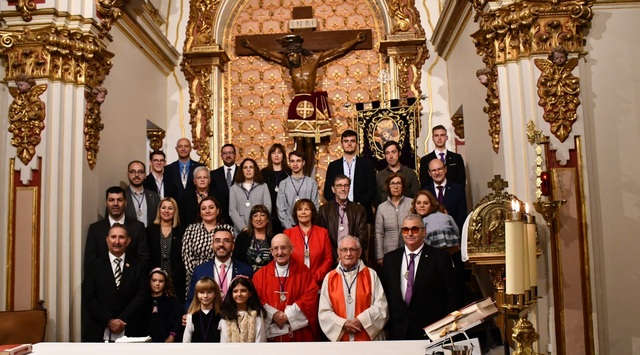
column 436, row 292
column 96, row 245
column 149, row 183
column 152, row 199
column 102, row 301
column 364, row 183
column 220, row 190
column 178, row 275
column 455, row 201
column 173, row 181
column 455, row 168
column 189, row 207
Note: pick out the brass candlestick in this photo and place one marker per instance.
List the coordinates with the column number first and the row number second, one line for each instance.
column 523, row 333
column 548, row 209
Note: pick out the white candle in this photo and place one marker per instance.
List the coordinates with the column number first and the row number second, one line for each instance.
column 514, row 247
column 532, row 250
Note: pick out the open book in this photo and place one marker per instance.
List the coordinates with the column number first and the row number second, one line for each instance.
column 462, row 319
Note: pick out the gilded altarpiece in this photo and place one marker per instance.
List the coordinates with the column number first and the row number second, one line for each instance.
column 257, row 93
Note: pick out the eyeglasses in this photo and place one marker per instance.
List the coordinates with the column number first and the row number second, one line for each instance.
column 277, row 249
column 349, row 250
column 225, row 241
column 412, row 230
column 139, row 172
column 342, row 186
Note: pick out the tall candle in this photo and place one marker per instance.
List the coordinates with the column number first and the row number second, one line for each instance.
column 514, row 246
column 532, row 250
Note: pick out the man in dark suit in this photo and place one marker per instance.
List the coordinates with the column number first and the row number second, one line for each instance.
column 95, row 246
column 223, row 177
column 141, row 203
column 218, row 268
column 420, row 283
column 359, row 170
column 114, row 292
column 178, row 175
column 453, row 161
column 448, row 193
column 155, row 180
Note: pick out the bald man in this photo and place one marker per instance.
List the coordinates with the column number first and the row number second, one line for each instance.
column 178, row 176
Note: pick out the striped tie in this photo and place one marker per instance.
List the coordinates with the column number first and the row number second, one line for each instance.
column 118, row 273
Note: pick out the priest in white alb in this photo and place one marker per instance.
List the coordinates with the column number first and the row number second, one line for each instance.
column 353, row 306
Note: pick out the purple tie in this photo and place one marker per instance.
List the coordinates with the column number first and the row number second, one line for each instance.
column 440, row 195
column 410, row 271
column 441, row 157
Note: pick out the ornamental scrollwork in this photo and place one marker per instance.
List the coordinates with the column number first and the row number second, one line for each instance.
column 93, row 123
column 26, row 116
column 109, row 12
column 26, row 7
column 559, row 91
column 489, row 78
column 200, row 112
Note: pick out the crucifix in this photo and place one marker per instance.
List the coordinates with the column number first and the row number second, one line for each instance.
column 308, row 115
column 283, row 295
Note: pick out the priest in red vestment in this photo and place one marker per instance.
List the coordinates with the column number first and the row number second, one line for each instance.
column 289, row 294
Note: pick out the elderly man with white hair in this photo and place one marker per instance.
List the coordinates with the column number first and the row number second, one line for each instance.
column 353, row 306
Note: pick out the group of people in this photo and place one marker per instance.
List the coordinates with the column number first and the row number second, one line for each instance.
column 240, row 254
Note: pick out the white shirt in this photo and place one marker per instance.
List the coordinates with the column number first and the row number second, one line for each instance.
column 120, row 221
column 350, row 171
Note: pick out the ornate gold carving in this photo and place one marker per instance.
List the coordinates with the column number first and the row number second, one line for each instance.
column 489, row 78
column 56, row 54
column 200, row 25
column 405, row 16
column 155, row 136
column 93, row 123
column 531, row 27
column 26, row 7
column 199, row 78
column 524, row 334
column 26, row 116
column 559, row 91
column 457, row 120
column 109, row 11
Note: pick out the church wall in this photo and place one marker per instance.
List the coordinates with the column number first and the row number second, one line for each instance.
column 612, row 146
column 466, row 92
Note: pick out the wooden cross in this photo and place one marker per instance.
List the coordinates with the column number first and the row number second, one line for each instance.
column 313, row 41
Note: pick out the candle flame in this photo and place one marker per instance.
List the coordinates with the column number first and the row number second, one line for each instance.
column 526, row 208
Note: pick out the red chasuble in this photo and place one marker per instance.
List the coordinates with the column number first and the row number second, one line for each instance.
column 362, row 299
column 300, row 288
column 320, row 252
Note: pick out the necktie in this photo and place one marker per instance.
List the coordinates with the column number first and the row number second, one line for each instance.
column 441, row 157
column 228, row 177
column 440, row 195
column 410, row 271
column 223, row 279
column 118, row 273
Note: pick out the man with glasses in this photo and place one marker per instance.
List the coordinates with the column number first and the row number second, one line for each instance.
column 352, row 306
column 155, row 180
column 289, row 294
column 450, row 194
column 341, row 217
column 392, row 155
column 420, row 283
column 223, row 177
column 178, row 175
column 223, row 268
column 142, row 203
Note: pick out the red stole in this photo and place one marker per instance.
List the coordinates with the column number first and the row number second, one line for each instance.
column 362, row 299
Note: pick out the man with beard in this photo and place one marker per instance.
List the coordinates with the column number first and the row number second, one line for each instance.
column 114, row 291
column 141, row 203
column 223, row 177
column 289, row 294
column 342, row 217
column 361, row 173
column 222, row 245
column 303, row 67
column 96, row 247
column 177, row 175
column 392, row 155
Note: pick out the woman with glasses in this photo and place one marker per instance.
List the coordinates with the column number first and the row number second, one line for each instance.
column 389, row 216
column 311, row 244
column 248, row 190
column 252, row 245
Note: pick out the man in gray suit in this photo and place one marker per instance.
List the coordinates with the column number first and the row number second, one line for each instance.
column 141, row 203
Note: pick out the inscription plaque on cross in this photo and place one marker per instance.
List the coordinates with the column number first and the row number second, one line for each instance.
column 303, row 51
